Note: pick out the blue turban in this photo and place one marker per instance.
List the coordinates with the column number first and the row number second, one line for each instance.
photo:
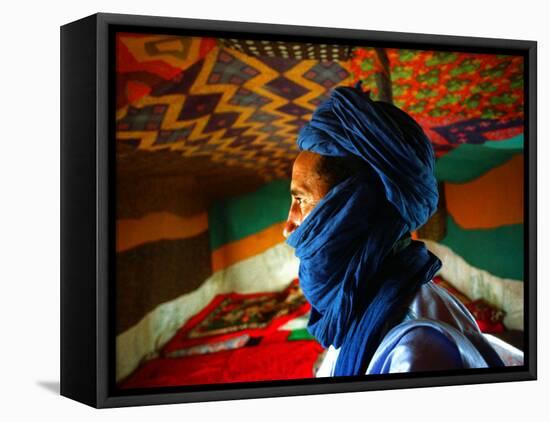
column 358, row 267
column 350, row 124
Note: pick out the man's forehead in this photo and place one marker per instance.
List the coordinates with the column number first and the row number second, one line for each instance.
column 306, row 158
column 304, row 171
column 305, row 164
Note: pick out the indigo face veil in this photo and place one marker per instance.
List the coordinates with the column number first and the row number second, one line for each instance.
column 358, row 267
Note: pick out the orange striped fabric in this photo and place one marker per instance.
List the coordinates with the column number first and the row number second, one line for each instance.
column 494, row 199
column 157, row 226
column 247, row 247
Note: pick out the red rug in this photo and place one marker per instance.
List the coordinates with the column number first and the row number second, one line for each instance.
column 234, row 339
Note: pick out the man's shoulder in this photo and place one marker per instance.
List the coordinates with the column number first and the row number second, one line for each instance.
column 416, row 346
column 431, row 334
column 434, row 303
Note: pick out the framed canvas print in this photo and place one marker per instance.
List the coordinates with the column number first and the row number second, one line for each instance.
column 255, row 210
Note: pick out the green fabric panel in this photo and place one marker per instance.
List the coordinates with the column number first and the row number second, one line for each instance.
column 301, row 334
column 467, row 162
column 498, row 250
column 236, row 218
column 515, row 143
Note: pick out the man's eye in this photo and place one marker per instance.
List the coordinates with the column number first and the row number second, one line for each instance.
column 299, row 200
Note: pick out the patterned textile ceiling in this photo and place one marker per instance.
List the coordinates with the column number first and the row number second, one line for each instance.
column 239, row 104
column 456, row 97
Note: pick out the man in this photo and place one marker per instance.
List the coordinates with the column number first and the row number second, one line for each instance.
column 361, row 184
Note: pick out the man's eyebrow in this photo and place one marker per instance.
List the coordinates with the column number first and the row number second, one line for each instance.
column 296, row 192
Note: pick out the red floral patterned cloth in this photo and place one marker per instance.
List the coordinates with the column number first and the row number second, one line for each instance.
column 488, row 317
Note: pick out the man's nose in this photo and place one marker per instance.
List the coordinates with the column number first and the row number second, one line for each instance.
column 292, row 221
column 288, row 228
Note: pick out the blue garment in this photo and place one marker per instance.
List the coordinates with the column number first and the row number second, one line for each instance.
column 351, row 272
column 437, row 333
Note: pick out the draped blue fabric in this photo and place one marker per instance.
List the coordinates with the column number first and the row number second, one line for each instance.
column 355, row 278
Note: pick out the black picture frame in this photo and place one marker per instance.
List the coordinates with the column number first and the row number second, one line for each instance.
column 88, row 223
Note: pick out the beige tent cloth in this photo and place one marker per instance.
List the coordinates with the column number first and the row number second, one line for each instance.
column 506, row 294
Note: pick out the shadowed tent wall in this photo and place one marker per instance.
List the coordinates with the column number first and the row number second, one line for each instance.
column 162, row 244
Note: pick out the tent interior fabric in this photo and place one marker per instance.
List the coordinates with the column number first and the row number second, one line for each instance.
column 206, row 288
